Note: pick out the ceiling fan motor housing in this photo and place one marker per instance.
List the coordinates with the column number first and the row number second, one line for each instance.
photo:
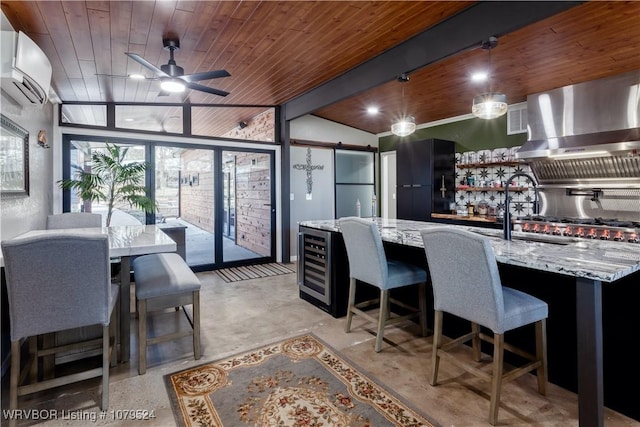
column 170, row 43
column 172, row 69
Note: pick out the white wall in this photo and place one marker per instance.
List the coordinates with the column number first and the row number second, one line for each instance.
column 312, row 128
column 21, row 214
column 388, row 184
column 320, row 203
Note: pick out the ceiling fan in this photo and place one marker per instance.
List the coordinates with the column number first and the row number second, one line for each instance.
column 172, row 77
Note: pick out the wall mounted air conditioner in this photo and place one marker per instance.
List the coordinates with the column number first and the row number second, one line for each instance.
column 26, row 70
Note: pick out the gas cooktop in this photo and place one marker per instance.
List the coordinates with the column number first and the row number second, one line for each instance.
column 588, row 228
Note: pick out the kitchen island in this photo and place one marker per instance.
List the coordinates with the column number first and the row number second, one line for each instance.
column 585, row 264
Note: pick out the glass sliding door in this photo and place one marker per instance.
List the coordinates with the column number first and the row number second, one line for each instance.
column 248, row 206
column 229, row 198
column 223, row 198
column 185, row 194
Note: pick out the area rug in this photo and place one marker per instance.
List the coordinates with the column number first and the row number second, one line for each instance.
column 235, row 274
column 297, row 382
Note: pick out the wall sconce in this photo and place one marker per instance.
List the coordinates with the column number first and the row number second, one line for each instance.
column 42, row 139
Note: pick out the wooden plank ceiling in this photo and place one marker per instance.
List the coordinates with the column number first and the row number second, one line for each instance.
column 276, row 51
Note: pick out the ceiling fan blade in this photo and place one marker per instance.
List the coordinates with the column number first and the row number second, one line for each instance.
column 201, row 88
column 146, row 63
column 113, row 76
column 205, row 75
column 163, row 93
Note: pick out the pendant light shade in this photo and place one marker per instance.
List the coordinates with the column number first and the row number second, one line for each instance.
column 489, row 105
column 403, row 127
column 406, row 125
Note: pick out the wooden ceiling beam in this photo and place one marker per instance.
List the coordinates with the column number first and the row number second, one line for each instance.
column 461, row 32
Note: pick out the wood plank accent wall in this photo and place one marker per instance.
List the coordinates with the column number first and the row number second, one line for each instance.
column 253, row 198
column 196, row 200
column 260, row 127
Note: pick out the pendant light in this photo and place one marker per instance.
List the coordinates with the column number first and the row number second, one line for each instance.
column 491, row 104
column 406, row 125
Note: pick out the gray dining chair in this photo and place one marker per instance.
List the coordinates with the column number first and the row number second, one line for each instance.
column 368, row 263
column 466, row 283
column 57, row 282
column 73, row 220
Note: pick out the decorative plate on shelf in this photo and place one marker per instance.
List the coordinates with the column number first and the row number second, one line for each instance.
column 500, row 154
column 468, row 157
column 484, row 156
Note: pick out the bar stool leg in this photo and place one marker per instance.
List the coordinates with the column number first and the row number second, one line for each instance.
column 437, row 339
column 142, row 336
column 196, row 325
column 15, row 374
column 382, row 318
column 350, row 304
column 106, row 339
column 422, row 306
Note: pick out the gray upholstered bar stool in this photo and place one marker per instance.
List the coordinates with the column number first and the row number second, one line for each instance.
column 74, row 220
column 466, row 283
column 368, row 263
column 57, row 282
column 165, row 281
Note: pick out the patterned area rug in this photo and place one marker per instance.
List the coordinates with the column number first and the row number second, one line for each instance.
column 298, row 382
column 235, row 274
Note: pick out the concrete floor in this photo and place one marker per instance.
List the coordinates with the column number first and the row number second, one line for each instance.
column 244, row 315
column 199, row 245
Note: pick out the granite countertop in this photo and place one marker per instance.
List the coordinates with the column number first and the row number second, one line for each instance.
column 591, row 259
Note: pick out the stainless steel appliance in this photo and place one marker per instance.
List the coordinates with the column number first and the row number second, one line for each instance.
column 584, row 150
column 583, row 228
column 314, row 264
column 323, row 275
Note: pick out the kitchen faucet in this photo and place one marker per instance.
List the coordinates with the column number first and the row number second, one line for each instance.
column 506, row 225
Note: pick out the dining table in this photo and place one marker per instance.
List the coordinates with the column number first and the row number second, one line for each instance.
column 125, row 242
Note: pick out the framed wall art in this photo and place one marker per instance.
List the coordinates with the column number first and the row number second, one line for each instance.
column 14, row 159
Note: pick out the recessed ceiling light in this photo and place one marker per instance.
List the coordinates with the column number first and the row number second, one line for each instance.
column 479, row 76
column 137, row 76
column 373, row 110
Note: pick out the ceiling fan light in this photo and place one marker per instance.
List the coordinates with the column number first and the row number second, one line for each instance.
column 489, row 105
column 403, row 127
column 172, row 85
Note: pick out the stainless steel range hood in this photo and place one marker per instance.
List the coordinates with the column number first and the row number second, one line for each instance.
column 586, row 134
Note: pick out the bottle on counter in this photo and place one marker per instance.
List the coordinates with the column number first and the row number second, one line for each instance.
column 358, row 208
column 374, row 206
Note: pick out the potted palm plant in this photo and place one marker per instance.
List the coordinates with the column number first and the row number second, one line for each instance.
column 112, row 180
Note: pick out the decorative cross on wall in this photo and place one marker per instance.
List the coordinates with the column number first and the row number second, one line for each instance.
column 309, row 168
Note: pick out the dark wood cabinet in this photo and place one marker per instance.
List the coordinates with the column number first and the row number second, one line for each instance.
column 414, row 202
column 423, row 169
